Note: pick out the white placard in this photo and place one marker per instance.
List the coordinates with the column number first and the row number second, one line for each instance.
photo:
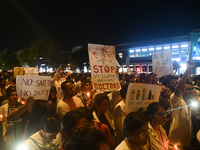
column 162, row 63
column 140, row 95
column 36, row 86
column 31, row 71
column 103, row 67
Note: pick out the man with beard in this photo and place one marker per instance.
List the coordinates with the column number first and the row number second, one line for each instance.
column 180, row 132
column 69, row 101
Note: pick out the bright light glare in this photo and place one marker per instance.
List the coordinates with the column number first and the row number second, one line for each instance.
column 131, row 51
column 22, row 146
column 194, row 104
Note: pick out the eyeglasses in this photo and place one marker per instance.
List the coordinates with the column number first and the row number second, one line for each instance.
column 161, row 114
column 13, row 95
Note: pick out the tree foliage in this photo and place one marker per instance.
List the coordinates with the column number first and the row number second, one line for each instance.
column 8, row 59
column 44, row 50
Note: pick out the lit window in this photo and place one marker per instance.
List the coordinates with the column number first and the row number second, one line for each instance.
column 137, row 50
column 184, row 45
column 158, row 48
column 144, row 50
column 151, row 49
column 131, row 51
column 167, row 47
column 175, row 46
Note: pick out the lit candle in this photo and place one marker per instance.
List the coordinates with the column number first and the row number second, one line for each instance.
column 176, row 148
column 1, row 116
column 23, row 102
column 88, row 94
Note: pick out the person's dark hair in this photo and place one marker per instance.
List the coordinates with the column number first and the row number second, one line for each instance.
column 84, row 83
column 133, row 122
column 123, row 90
column 87, row 139
column 71, row 118
column 63, row 85
column 152, row 109
column 99, row 98
column 50, row 124
column 167, row 79
column 10, row 89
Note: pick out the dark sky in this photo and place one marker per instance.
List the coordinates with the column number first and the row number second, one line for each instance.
column 75, row 22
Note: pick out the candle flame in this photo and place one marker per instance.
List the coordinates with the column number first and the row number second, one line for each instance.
column 175, row 146
column 88, row 94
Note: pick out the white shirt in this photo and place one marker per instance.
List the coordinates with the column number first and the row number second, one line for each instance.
column 125, row 145
column 36, row 142
column 180, row 131
column 158, row 140
column 63, row 108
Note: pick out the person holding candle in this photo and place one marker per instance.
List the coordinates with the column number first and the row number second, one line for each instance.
column 86, row 93
column 180, row 132
column 12, row 115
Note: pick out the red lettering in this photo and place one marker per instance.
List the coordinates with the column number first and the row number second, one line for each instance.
column 103, row 86
column 111, row 85
column 95, row 86
column 112, row 68
column 107, row 69
column 107, row 85
column 96, row 70
column 101, row 68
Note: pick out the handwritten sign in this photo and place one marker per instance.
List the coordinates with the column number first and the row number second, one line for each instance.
column 31, row 71
column 18, row 71
column 162, row 63
column 36, row 86
column 140, row 95
column 103, row 67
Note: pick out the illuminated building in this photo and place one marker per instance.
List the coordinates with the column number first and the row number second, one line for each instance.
column 137, row 56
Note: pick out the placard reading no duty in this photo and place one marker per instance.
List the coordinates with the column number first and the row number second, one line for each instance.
column 36, row 86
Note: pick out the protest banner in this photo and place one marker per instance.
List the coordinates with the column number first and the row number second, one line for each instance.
column 31, row 71
column 162, row 63
column 18, row 71
column 140, row 95
column 103, row 67
column 36, row 86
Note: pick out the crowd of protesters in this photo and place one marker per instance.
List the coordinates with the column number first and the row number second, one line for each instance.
column 77, row 116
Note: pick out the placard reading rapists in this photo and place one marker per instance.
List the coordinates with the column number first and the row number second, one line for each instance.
column 36, row 86
column 103, row 67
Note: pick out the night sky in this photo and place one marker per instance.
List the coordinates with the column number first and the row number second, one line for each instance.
column 76, row 23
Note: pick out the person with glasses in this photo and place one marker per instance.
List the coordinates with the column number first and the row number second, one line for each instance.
column 136, row 132
column 156, row 115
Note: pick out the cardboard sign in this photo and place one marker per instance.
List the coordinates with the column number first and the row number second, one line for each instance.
column 162, row 63
column 103, row 67
column 31, row 71
column 140, row 95
column 18, row 71
column 36, row 86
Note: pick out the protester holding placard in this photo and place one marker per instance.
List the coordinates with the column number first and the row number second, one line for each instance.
column 12, row 113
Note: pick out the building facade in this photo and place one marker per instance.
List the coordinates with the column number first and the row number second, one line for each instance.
column 137, row 56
